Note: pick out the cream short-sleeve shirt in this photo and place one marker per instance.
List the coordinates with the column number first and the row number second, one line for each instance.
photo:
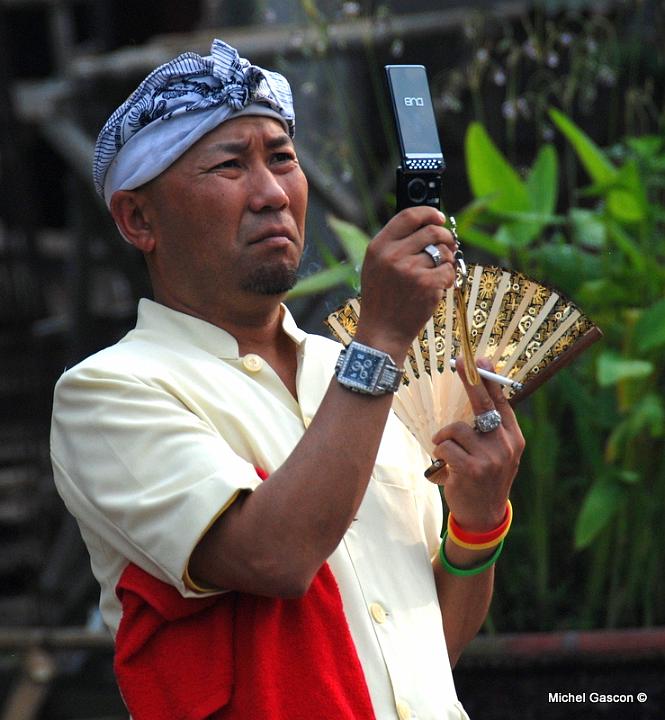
column 155, row 436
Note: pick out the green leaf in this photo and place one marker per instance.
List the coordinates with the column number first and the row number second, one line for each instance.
column 588, row 228
column 599, row 168
column 646, row 416
column 352, row 239
column 483, row 241
column 470, row 214
column 650, row 328
column 628, row 246
column 566, row 267
column 518, row 234
column 543, row 181
column 646, row 146
column 628, row 177
column 625, row 206
column 522, row 228
column 599, row 506
column 532, row 218
column 612, row 368
column 325, row 252
column 490, row 174
column 603, row 293
column 630, row 477
column 324, row 280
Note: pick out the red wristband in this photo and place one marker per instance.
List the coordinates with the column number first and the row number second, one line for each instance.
column 481, row 538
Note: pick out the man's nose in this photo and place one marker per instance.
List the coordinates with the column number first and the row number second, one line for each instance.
column 266, row 191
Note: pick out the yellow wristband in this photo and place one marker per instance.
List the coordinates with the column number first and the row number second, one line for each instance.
column 483, row 545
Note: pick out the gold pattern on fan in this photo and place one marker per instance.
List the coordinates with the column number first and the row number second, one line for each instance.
column 461, row 278
column 472, row 375
column 524, row 327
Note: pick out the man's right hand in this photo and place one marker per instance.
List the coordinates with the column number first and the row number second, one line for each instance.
column 400, row 284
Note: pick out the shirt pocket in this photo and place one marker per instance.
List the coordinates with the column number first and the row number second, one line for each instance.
column 400, row 461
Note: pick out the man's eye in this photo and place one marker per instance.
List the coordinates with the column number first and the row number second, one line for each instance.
column 226, row 164
column 284, row 157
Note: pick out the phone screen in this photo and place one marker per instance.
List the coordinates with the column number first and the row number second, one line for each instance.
column 413, row 107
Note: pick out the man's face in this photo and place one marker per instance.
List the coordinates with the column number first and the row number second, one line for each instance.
column 228, row 217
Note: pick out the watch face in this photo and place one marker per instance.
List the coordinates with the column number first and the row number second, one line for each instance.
column 362, row 368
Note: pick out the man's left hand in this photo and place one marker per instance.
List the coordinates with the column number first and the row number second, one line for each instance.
column 479, row 466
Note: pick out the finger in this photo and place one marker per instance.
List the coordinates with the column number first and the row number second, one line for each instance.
column 479, row 395
column 436, row 235
column 500, row 401
column 459, row 433
column 453, row 453
column 437, row 260
column 437, row 472
column 408, row 221
column 417, row 227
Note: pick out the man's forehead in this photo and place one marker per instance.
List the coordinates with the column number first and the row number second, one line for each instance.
column 238, row 133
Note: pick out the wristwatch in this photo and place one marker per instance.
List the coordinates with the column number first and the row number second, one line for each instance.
column 366, row 370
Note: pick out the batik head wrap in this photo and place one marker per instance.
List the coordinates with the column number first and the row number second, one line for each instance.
column 176, row 105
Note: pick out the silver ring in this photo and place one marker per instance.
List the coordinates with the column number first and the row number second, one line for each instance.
column 433, row 252
column 487, row 421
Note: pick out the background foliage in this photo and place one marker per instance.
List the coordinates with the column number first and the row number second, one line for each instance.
column 584, row 214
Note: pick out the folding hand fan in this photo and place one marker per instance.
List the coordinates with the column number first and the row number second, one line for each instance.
column 528, row 330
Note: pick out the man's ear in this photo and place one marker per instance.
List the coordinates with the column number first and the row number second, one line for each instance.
column 128, row 211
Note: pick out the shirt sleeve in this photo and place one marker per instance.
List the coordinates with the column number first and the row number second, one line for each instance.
column 133, row 461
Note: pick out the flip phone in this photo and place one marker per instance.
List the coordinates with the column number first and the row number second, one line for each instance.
column 422, row 164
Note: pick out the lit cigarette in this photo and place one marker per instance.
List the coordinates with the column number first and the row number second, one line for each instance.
column 494, row 377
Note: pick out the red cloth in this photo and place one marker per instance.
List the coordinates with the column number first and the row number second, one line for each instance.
column 237, row 656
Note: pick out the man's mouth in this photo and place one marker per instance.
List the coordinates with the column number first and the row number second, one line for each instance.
column 274, row 235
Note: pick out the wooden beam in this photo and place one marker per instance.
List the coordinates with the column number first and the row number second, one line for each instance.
column 261, row 42
column 71, row 142
column 63, row 638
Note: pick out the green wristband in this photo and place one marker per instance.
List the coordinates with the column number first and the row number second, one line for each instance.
column 466, row 572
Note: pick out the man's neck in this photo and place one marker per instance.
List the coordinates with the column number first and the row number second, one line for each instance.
column 257, row 327
column 253, row 321
column 268, row 339
column 256, row 333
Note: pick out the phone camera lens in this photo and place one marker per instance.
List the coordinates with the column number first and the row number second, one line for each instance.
column 417, row 190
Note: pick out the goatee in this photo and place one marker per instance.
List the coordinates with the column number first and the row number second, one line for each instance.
column 271, row 280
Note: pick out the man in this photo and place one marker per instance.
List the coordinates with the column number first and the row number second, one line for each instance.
column 160, row 443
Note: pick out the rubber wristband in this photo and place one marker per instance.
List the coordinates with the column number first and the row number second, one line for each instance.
column 484, row 545
column 477, row 546
column 482, row 538
column 467, row 572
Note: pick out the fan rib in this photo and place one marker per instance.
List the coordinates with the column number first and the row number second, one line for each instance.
column 535, row 324
column 341, row 332
column 493, row 314
column 425, row 384
column 435, row 375
column 517, row 316
column 538, row 356
column 448, row 328
column 473, row 293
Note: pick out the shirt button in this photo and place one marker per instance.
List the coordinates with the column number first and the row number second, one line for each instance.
column 252, row 362
column 306, row 421
column 378, row 613
column 403, row 710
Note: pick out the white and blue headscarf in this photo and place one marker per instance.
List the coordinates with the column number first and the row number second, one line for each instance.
column 176, row 105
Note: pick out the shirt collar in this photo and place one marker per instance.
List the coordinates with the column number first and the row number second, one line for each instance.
column 175, row 325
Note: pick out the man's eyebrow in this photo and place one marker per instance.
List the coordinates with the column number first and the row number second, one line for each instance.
column 279, row 141
column 238, row 146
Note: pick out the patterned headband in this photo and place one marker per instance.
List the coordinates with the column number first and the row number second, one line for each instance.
column 175, row 106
